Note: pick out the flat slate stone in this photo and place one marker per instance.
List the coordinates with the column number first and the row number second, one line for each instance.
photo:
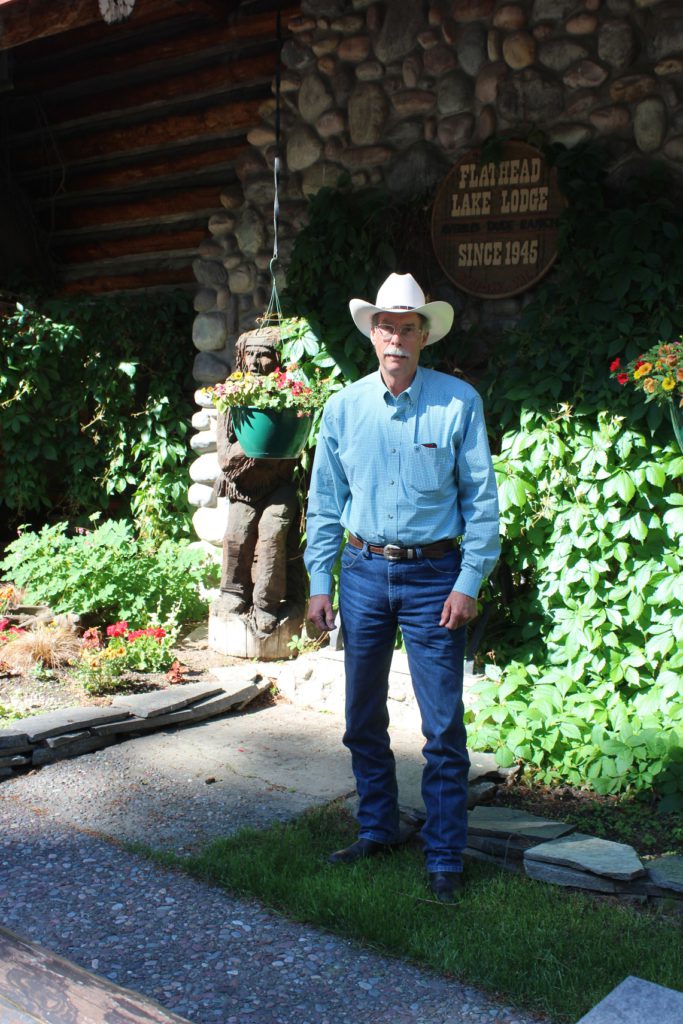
column 13, row 740
column 503, row 822
column 556, row 874
column 8, row 749
column 14, row 761
column 587, row 853
column 86, row 745
column 160, row 702
column 635, row 1001
column 667, row 873
column 134, row 724
column 53, row 723
column 65, row 738
column 510, row 848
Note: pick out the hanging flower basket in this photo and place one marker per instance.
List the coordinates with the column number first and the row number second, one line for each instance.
column 658, row 374
column 271, row 433
column 677, row 421
column 272, row 413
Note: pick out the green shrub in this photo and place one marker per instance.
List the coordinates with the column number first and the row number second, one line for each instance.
column 108, row 573
column 589, row 645
column 93, row 411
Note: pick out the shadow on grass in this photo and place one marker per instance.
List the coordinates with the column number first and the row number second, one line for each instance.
column 535, row 945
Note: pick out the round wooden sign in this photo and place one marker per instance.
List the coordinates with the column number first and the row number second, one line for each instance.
column 495, row 224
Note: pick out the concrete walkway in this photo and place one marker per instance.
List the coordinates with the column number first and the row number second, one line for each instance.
column 66, row 884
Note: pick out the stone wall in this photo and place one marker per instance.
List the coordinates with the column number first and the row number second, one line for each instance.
column 392, row 93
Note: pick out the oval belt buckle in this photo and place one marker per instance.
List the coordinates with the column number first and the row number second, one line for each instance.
column 392, row 552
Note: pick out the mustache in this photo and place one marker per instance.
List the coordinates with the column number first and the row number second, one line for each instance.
column 393, row 350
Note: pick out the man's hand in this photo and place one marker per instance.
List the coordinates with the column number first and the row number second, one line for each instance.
column 320, row 612
column 458, row 610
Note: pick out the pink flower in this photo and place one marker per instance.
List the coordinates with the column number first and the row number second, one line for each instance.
column 4, row 623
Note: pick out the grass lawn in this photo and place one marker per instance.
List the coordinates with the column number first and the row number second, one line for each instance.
column 537, row 946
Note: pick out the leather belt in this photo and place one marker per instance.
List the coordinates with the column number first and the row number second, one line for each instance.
column 396, row 553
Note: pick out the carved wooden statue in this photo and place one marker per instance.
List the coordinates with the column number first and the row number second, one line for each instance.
column 262, row 563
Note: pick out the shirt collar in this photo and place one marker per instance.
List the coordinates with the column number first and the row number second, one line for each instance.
column 411, row 393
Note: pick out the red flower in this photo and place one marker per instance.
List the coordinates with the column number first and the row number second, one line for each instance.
column 623, row 378
column 615, row 365
column 4, row 623
column 118, row 629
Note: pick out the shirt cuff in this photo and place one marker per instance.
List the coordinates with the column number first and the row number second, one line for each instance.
column 468, row 582
column 321, row 583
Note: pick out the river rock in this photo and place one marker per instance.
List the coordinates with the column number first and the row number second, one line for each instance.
column 585, row 74
column 408, row 102
column 201, row 496
column 582, row 24
column 250, row 231
column 558, row 54
column 210, row 524
column 438, row 61
column 665, row 38
column 519, row 50
column 454, row 93
column 370, row 71
column 205, row 469
column 209, row 332
column 510, row 17
column 314, row 98
column 420, row 168
column 204, row 300
column 453, row 131
column 355, row 49
column 470, row 48
column 401, row 25
column 209, row 368
column 616, row 45
column 368, row 111
column 488, row 81
column 209, row 272
column 530, row 96
column 649, row 124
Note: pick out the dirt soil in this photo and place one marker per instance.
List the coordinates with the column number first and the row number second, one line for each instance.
column 34, row 693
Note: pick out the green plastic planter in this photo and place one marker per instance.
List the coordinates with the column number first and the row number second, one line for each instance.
column 271, row 433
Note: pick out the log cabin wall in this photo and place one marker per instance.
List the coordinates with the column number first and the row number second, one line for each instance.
column 122, row 136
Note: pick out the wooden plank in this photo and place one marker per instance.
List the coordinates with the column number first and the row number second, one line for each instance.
column 207, row 123
column 29, row 20
column 155, row 208
column 51, row 990
column 130, row 245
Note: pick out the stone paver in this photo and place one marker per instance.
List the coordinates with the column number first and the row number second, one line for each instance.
column 638, row 1002
column 586, row 853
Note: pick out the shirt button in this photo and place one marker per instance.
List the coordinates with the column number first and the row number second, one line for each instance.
column 393, row 451
column 391, row 483
column 391, row 515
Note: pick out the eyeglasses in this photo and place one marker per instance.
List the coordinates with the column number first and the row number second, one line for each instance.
column 408, row 332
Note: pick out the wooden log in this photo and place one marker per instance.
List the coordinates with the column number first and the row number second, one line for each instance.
column 24, row 21
column 154, row 209
column 44, row 986
column 209, row 123
column 172, row 277
column 195, row 84
column 158, row 173
column 168, row 242
column 214, row 40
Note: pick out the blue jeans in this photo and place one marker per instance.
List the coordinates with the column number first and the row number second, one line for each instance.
column 376, row 596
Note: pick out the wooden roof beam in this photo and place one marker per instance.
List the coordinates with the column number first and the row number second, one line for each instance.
column 23, row 21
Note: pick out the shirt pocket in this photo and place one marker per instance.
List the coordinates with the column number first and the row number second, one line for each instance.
column 428, row 469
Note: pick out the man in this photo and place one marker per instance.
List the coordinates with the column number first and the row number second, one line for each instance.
column 403, row 464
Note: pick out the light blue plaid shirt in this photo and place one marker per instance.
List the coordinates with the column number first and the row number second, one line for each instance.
column 409, row 470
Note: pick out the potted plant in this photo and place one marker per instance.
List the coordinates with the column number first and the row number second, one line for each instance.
column 273, row 413
column 658, row 373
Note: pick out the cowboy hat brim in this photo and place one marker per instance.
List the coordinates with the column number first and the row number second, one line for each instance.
column 439, row 314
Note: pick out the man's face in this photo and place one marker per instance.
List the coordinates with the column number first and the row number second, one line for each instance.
column 398, row 352
column 259, row 359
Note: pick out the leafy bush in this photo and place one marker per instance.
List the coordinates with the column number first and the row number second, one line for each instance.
column 93, row 413
column 108, row 573
column 589, row 646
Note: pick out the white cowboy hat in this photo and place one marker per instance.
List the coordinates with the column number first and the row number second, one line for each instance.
column 401, row 293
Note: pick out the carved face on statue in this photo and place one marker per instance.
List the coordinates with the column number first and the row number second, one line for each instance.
column 257, row 351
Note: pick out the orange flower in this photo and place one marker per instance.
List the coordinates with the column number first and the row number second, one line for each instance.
column 649, row 385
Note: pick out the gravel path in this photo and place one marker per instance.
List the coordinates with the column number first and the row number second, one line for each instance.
column 207, row 956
